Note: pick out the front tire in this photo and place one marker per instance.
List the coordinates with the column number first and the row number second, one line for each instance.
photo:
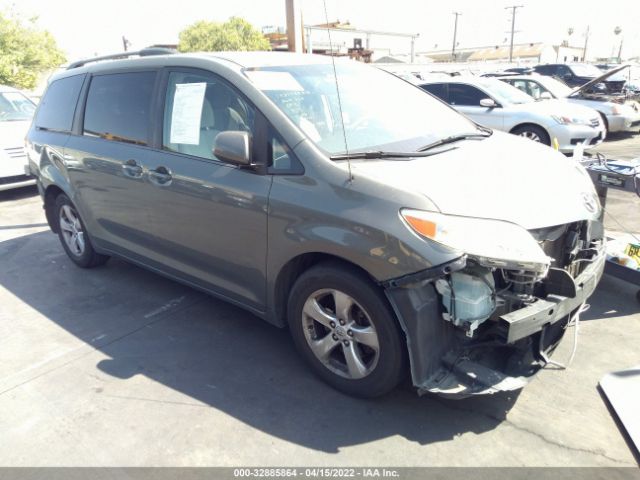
column 73, row 235
column 533, row 132
column 343, row 327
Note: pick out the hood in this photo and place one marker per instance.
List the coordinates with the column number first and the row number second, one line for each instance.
column 597, row 80
column 502, row 177
column 12, row 133
column 557, row 107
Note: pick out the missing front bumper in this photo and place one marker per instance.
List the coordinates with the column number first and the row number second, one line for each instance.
column 444, row 364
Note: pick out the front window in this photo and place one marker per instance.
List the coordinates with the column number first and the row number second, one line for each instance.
column 379, row 111
column 14, row 106
column 197, row 108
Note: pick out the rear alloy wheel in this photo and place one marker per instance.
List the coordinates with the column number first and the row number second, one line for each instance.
column 532, row 132
column 344, row 328
column 73, row 235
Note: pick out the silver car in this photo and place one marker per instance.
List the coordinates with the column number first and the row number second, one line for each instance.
column 618, row 116
column 16, row 111
column 494, row 104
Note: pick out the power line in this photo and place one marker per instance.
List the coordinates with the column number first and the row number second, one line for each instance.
column 513, row 27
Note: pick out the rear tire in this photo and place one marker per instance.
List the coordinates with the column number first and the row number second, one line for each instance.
column 73, row 235
column 345, row 330
column 533, row 132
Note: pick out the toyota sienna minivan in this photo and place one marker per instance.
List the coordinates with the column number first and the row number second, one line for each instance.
column 393, row 236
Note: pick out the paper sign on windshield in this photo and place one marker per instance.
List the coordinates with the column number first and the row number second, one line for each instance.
column 187, row 111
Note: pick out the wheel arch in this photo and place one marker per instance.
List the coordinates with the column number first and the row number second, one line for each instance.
column 605, row 120
column 50, row 194
column 531, row 124
column 290, row 272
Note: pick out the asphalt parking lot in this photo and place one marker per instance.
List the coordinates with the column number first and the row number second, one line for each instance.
column 117, row 366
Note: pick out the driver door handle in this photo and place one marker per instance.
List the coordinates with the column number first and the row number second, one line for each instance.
column 160, row 176
column 132, row 169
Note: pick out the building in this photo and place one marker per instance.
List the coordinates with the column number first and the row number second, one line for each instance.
column 522, row 53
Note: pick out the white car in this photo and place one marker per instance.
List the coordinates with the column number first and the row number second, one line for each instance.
column 16, row 111
column 618, row 115
column 495, row 104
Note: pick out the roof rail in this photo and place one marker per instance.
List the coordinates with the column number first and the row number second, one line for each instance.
column 145, row 52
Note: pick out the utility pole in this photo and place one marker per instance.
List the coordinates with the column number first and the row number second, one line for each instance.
column 455, row 34
column 294, row 27
column 586, row 41
column 125, row 43
column 618, row 31
column 513, row 27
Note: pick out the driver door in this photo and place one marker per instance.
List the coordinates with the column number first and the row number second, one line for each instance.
column 466, row 99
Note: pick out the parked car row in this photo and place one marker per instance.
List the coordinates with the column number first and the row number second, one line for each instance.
column 495, row 104
column 394, row 236
column 617, row 116
column 567, row 118
column 16, row 111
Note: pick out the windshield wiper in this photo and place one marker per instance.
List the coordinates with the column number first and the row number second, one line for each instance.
column 456, row 138
column 380, row 154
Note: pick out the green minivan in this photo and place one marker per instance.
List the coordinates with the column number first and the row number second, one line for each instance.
column 393, row 236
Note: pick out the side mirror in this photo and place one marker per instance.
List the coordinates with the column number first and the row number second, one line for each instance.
column 545, row 96
column 488, row 102
column 233, row 146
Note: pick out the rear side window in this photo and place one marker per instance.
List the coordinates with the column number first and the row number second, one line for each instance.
column 119, row 107
column 437, row 89
column 58, row 105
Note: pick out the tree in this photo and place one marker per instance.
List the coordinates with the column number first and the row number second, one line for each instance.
column 25, row 51
column 234, row 34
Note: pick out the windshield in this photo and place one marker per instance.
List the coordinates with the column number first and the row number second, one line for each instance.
column 504, row 93
column 379, row 110
column 586, row 70
column 15, row 106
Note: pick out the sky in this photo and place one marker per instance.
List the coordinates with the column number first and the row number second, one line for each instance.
column 84, row 28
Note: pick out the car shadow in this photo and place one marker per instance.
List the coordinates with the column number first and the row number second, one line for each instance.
column 218, row 355
column 613, row 298
column 18, row 193
column 620, row 136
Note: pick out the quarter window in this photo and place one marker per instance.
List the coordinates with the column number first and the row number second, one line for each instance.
column 119, row 107
column 58, row 105
column 281, row 157
column 197, row 108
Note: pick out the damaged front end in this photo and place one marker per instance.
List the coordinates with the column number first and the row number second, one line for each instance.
column 474, row 326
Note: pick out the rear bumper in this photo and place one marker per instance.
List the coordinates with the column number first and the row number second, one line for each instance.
column 443, row 364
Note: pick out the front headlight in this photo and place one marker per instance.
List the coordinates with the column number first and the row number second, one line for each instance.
column 492, row 243
column 562, row 120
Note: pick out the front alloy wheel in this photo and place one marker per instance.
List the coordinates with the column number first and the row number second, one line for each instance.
column 343, row 326
column 340, row 333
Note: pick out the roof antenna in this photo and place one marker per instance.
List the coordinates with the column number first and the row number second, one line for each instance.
column 335, row 76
